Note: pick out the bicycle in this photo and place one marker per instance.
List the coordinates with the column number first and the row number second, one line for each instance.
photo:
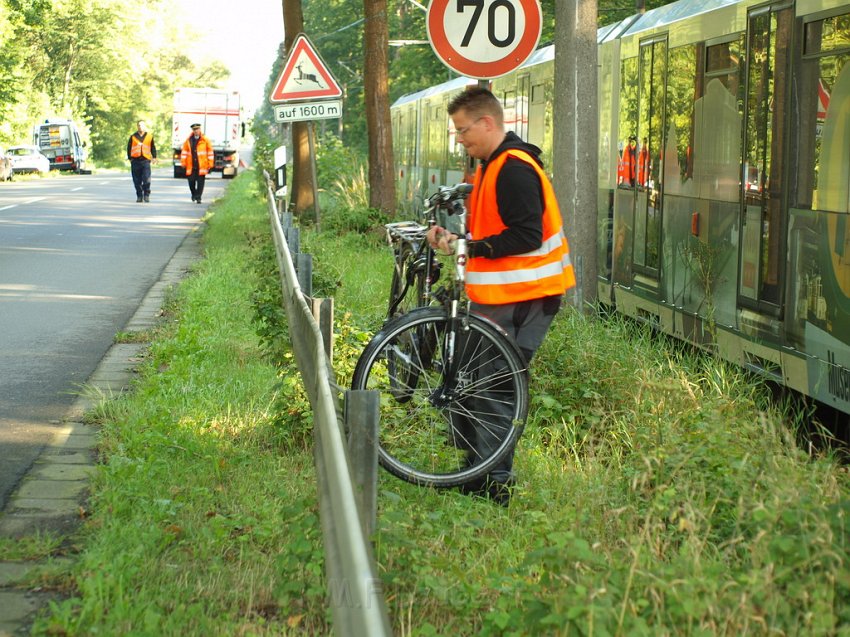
column 453, row 384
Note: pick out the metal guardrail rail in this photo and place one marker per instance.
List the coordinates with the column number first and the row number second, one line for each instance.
column 355, row 594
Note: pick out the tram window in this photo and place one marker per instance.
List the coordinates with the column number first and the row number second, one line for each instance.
column 682, row 85
column 828, row 35
column 628, row 103
column 722, row 62
column 509, row 104
column 537, row 117
column 822, row 139
column 538, row 94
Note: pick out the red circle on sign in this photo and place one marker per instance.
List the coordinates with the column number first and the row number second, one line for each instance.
column 483, row 70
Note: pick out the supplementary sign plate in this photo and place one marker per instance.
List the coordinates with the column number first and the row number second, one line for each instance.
column 302, row 111
column 484, row 38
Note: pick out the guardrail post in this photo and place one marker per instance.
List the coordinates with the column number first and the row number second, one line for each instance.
column 285, row 221
column 323, row 312
column 293, row 239
column 361, row 423
column 304, row 270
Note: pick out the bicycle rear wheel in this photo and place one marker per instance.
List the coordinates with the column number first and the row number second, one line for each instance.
column 432, row 431
column 407, row 292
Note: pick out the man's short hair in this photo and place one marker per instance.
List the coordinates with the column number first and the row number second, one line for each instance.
column 477, row 102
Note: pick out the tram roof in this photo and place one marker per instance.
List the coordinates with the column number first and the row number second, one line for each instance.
column 451, row 85
column 652, row 19
column 670, row 13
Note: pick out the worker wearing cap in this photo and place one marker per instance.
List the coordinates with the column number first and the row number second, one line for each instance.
column 198, row 159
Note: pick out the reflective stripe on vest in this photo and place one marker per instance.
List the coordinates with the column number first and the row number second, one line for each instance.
column 142, row 148
column 545, row 271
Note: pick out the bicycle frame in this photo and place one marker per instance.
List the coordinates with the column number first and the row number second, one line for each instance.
column 412, row 234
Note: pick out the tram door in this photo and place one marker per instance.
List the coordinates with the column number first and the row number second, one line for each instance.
column 762, row 220
column 650, row 142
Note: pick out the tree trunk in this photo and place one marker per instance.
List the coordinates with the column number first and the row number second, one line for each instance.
column 575, row 138
column 302, row 174
column 376, row 94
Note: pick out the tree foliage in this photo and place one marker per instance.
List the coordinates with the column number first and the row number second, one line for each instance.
column 103, row 63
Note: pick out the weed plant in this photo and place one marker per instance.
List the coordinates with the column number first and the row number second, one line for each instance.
column 661, row 491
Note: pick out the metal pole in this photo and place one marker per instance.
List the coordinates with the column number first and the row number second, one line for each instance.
column 323, row 312
column 304, row 268
column 361, row 420
column 293, row 240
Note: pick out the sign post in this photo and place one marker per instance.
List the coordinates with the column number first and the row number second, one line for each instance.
column 484, row 39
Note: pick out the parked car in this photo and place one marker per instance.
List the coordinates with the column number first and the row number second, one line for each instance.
column 5, row 166
column 28, row 159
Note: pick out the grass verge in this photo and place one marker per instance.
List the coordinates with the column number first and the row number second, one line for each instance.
column 660, row 491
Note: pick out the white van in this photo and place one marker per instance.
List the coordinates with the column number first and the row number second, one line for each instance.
column 59, row 140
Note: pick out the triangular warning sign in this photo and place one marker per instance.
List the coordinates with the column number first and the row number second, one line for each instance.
column 304, row 75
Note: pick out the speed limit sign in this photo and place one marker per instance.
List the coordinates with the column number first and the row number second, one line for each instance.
column 484, row 39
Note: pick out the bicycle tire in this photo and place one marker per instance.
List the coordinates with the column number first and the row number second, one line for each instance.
column 409, row 282
column 417, row 440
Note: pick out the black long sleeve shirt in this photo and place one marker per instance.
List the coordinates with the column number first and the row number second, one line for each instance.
column 519, row 194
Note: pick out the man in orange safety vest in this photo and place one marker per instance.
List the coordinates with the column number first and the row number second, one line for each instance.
column 519, row 260
column 198, row 159
column 141, row 151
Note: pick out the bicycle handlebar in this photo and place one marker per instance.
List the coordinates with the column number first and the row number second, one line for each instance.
column 447, row 194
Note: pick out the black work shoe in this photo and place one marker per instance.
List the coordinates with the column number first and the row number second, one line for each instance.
column 198, row 200
column 147, row 198
column 138, row 200
column 497, row 492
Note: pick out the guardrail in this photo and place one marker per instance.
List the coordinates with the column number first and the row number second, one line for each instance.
column 355, row 594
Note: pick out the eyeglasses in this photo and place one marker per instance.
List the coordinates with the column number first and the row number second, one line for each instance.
column 463, row 131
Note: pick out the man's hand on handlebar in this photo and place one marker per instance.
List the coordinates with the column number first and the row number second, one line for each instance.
column 441, row 240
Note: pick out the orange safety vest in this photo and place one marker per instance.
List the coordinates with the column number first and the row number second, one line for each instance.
column 142, row 148
column 206, row 156
column 626, row 166
column 643, row 166
column 546, row 271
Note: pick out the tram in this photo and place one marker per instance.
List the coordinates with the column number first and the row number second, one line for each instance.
column 723, row 175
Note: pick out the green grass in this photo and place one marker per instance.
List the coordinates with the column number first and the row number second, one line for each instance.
column 661, row 492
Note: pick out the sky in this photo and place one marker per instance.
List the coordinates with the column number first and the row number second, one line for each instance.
column 244, row 35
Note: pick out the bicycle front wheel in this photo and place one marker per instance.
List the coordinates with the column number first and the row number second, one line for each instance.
column 463, row 409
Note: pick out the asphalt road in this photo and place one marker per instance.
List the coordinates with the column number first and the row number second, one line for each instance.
column 77, row 256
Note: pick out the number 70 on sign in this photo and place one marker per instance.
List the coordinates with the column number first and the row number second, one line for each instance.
column 484, row 38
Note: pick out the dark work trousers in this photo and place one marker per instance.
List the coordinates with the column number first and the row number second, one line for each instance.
column 141, row 170
column 196, row 185
column 527, row 322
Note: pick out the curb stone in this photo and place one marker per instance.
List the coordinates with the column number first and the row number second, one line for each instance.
column 52, row 495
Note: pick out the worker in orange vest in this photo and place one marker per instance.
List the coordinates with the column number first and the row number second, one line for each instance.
column 643, row 163
column 626, row 167
column 141, row 151
column 519, row 260
column 198, row 159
